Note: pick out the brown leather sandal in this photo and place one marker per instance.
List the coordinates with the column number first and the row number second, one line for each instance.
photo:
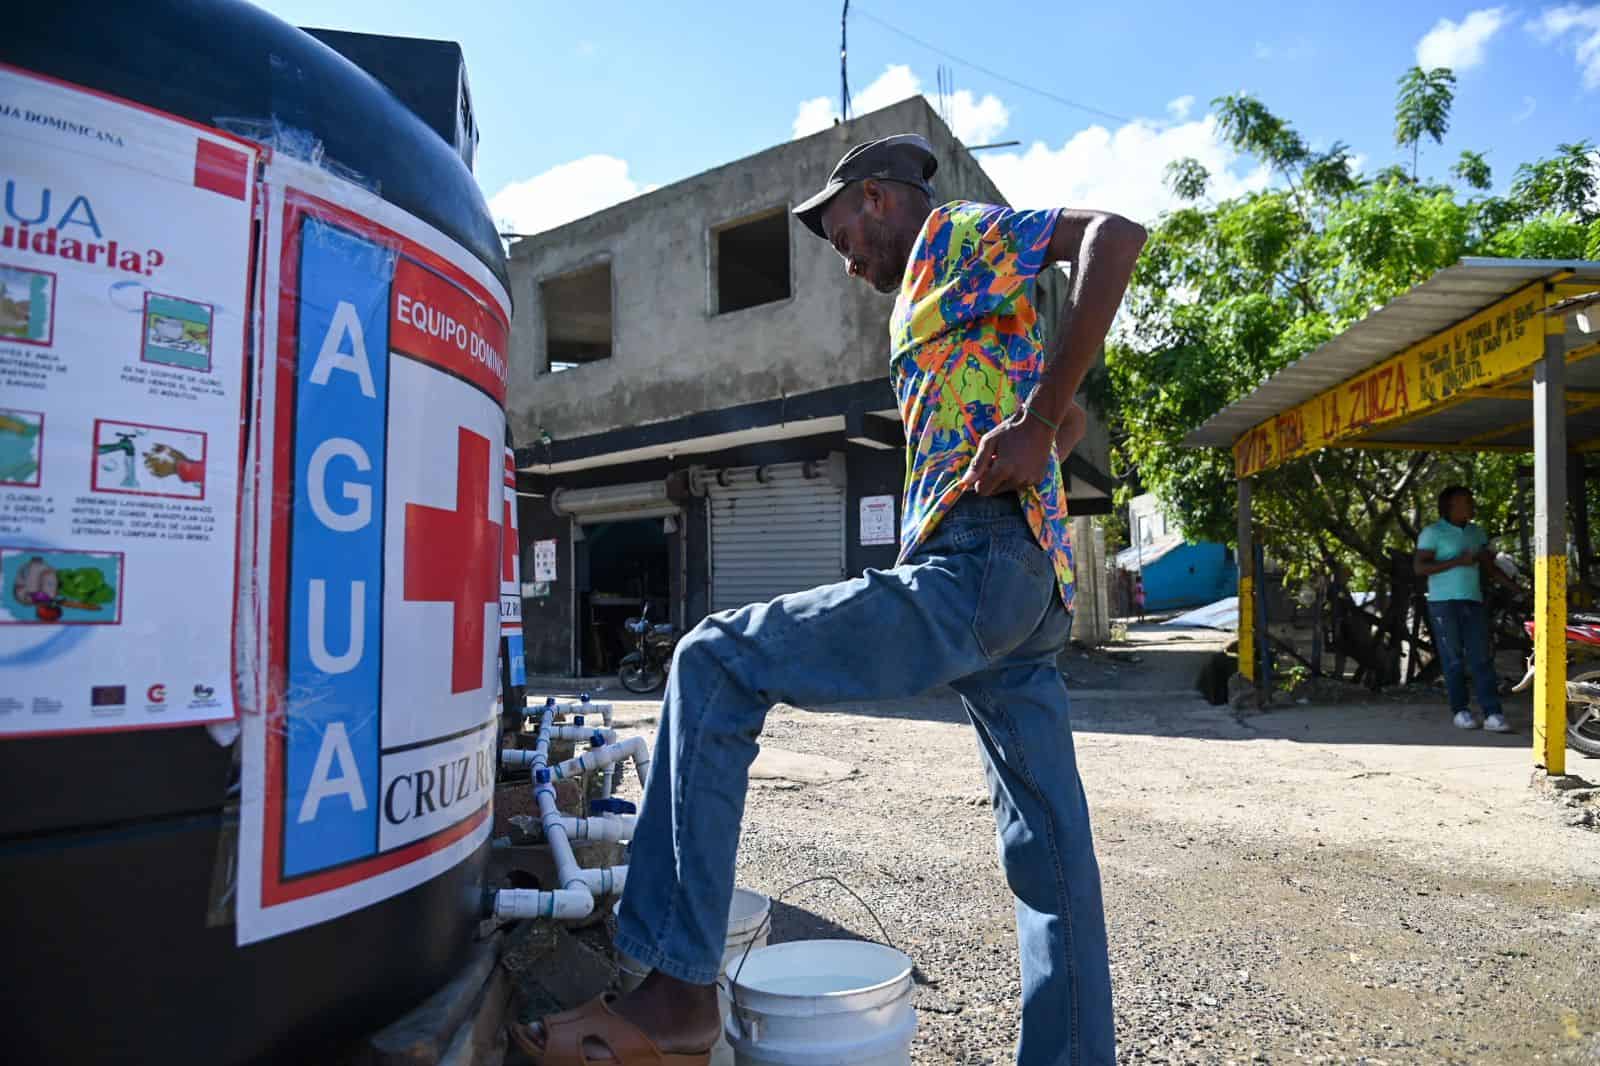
column 565, row 1033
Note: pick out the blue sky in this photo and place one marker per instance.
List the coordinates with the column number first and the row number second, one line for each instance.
column 581, row 105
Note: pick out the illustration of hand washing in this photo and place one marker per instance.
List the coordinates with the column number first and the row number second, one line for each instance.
column 149, row 460
column 166, row 461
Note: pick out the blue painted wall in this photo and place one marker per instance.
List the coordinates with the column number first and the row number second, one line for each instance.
column 1190, row 575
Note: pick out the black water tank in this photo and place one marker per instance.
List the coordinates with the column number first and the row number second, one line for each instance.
column 109, row 842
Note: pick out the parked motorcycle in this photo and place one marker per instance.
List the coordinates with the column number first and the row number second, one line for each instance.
column 1583, row 681
column 645, row 669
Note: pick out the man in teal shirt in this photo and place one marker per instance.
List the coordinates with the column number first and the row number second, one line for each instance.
column 1453, row 554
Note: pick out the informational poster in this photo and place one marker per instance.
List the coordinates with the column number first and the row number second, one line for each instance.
column 124, row 272
column 877, row 520
column 511, row 579
column 544, row 560
column 380, row 516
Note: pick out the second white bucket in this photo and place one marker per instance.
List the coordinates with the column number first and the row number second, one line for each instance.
column 821, row 1002
column 747, row 926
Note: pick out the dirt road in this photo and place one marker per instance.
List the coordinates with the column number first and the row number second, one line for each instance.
column 1324, row 884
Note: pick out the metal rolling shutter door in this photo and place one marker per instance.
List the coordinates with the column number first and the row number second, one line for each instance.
column 770, row 539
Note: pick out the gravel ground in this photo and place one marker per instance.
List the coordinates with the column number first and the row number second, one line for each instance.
column 1356, row 884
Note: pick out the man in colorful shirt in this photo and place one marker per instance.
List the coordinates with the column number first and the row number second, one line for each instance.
column 979, row 600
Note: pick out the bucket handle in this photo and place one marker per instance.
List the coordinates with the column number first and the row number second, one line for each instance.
column 766, row 926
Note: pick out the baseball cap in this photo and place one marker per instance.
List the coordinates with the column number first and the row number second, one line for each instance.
column 906, row 158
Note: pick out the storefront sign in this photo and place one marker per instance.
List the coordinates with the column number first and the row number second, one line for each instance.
column 1481, row 351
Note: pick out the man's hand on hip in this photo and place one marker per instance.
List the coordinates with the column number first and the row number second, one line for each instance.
column 1012, row 456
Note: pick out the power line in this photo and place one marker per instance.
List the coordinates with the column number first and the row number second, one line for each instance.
column 1047, row 94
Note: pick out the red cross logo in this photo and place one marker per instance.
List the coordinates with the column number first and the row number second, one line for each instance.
column 453, row 557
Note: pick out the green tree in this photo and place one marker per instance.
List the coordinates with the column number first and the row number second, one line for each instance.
column 1227, row 293
column 1423, row 108
column 1473, row 171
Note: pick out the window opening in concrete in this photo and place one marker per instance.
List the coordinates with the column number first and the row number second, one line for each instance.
column 752, row 262
column 577, row 317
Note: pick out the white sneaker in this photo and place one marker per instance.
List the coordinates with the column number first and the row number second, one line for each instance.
column 1496, row 723
column 1465, row 720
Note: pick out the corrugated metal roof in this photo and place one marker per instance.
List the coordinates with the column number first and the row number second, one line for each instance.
column 1133, row 558
column 1454, row 293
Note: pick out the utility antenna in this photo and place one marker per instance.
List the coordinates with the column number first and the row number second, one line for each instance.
column 844, row 61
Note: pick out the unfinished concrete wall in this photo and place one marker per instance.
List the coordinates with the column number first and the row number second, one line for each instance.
column 1091, row 607
column 672, row 355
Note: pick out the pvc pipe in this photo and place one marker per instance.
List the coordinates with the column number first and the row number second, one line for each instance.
column 610, row 764
column 633, row 748
column 583, row 733
column 562, row 904
column 579, row 887
column 610, row 827
column 601, row 882
column 579, row 706
column 605, row 881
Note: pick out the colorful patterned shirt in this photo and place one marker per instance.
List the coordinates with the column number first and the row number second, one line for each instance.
column 965, row 351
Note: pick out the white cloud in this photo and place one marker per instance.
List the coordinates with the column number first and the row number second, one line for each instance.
column 977, row 121
column 1121, row 170
column 1460, row 45
column 564, row 193
column 1582, row 26
column 974, row 119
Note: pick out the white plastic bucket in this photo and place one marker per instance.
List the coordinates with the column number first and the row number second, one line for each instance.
column 821, row 1002
column 747, row 926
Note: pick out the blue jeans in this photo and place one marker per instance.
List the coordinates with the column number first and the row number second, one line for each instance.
column 1461, row 634
column 977, row 608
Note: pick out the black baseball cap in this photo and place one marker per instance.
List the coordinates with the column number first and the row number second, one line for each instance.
column 906, row 158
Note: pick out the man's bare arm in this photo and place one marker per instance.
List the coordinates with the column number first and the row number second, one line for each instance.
column 1101, row 249
column 1427, row 562
column 1073, row 426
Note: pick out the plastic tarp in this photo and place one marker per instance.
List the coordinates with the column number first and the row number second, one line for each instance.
column 1224, row 614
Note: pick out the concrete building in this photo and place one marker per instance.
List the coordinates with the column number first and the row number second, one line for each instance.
column 701, row 402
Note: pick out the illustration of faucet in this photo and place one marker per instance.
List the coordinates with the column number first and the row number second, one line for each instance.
column 124, row 444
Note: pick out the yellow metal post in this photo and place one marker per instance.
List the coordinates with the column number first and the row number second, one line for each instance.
column 1247, row 586
column 1550, row 551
